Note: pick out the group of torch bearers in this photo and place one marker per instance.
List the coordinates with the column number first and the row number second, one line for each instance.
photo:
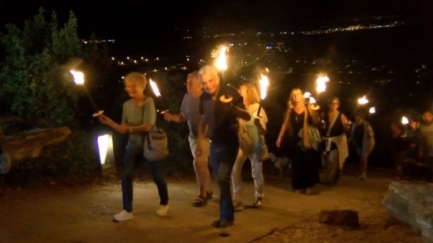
column 227, row 126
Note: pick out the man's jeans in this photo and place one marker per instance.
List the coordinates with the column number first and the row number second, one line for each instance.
column 222, row 156
column 127, row 175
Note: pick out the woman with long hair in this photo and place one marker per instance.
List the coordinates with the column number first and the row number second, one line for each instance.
column 299, row 118
column 252, row 146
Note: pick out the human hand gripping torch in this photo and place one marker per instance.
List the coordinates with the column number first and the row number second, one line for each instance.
column 264, row 84
column 221, row 65
column 79, row 80
column 157, row 94
column 311, row 101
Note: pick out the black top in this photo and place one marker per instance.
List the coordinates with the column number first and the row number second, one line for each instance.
column 337, row 129
column 296, row 122
column 223, row 124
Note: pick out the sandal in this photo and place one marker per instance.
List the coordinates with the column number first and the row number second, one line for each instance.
column 209, row 195
column 200, row 201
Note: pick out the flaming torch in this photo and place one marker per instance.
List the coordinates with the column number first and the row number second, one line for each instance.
column 79, row 80
column 155, row 90
column 221, row 65
column 321, row 84
column 311, row 101
column 372, row 110
column 363, row 100
column 264, row 84
column 404, row 120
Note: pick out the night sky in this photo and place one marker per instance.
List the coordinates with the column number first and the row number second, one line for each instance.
column 150, row 19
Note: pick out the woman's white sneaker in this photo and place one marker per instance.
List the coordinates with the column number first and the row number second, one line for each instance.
column 123, row 216
column 162, row 210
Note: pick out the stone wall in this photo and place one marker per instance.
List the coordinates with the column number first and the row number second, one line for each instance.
column 412, row 203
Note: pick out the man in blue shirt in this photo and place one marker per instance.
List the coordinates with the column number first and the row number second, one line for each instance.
column 189, row 112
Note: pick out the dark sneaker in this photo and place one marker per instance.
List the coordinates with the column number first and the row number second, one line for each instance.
column 222, row 223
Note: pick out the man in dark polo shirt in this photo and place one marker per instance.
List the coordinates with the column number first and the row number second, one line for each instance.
column 219, row 120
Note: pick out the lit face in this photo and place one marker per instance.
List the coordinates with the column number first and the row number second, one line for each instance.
column 193, row 85
column 210, row 83
column 134, row 88
column 414, row 125
column 297, row 96
column 334, row 105
column 427, row 117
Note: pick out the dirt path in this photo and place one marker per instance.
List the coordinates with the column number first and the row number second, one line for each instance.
column 59, row 214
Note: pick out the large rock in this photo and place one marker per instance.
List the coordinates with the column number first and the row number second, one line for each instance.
column 29, row 145
column 412, row 203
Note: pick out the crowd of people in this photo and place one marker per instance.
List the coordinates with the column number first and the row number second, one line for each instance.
column 411, row 146
column 224, row 133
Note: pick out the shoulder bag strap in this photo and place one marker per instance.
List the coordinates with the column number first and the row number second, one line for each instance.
column 332, row 124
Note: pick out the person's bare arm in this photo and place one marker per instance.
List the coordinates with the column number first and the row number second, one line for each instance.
column 241, row 113
column 314, row 115
column 120, row 128
column 345, row 122
column 174, row 117
column 283, row 129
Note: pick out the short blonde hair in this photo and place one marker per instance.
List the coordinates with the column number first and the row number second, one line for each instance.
column 251, row 93
column 136, row 77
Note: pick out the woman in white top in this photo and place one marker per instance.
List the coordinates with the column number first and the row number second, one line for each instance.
column 251, row 145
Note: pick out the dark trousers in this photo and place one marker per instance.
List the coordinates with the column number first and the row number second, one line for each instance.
column 222, row 157
column 127, row 176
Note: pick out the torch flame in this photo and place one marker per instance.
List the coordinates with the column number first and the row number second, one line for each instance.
column 264, row 84
column 312, row 100
column 404, row 120
column 78, row 76
column 372, row 110
column 321, row 83
column 221, row 60
column 154, row 88
column 363, row 100
column 307, row 95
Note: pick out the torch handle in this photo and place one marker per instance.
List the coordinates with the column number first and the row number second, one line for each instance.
column 260, row 109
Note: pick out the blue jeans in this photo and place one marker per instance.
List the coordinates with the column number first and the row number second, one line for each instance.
column 127, row 175
column 222, row 157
